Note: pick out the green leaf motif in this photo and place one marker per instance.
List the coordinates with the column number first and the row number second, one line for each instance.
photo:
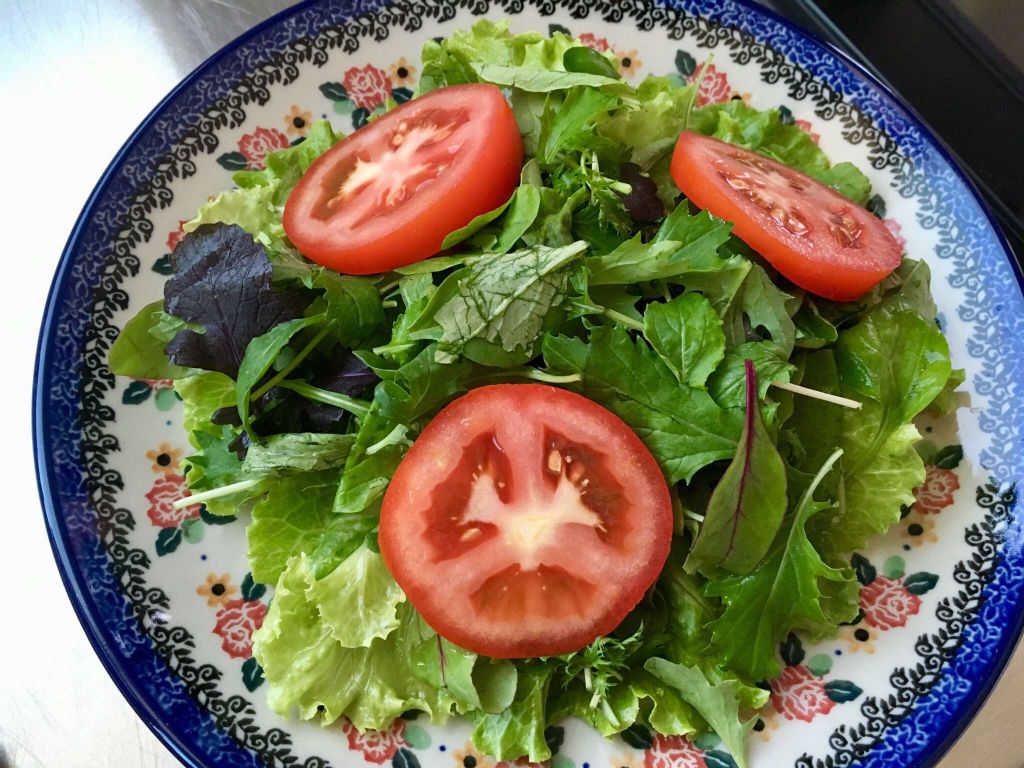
column 894, row 567
column 334, row 91
column 136, row 392
column 252, row 590
column 686, row 65
column 949, row 457
column 791, row 650
column 842, row 691
column 192, row 530
column 233, row 161
column 638, row 737
column 865, row 571
column 820, row 664
column 167, row 541
column 919, row 583
column 252, row 674
column 716, row 758
column 405, row 758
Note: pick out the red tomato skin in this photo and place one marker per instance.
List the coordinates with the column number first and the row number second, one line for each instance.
column 398, row 525
column 483, row 175
column 820, row 265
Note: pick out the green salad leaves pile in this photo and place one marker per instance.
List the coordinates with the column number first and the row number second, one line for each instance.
column 304, row 388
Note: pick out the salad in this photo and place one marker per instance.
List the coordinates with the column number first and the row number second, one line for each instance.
column 546, row 395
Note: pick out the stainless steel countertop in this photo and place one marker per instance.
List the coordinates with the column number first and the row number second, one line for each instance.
column 75, row 80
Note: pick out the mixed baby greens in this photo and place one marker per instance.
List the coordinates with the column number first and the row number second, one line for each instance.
column 303, row 388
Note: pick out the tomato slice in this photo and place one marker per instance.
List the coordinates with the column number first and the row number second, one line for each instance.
column 820, row 240
column 525, row 521
column 387, row 195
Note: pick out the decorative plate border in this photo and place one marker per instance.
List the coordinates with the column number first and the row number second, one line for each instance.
column 69, row 410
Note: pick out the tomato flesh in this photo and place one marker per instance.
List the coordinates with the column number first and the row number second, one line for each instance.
column 525, row 521
column 818, row 239
column 387, row 195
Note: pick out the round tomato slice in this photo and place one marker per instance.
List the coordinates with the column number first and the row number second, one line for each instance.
column 820, row 240
column 525, row 521
column 387, row 195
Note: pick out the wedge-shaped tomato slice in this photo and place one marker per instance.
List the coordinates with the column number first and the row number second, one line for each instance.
column 526, row 521
column 820, row 240
column 387, row 195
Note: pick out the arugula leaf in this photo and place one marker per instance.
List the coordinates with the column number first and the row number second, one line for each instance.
column 503, row 298
column 352, row 305
column 215, row 464
column 299, row 451
column 781, row 596
column 684, row 243
column 682, row 426
column 761, row 305
column 259, row 356
column 718, row 703
column 518, row 730
column 687, row 333
column 689, row 611
column 138, row 353
column 222, row 281
column 747, row 505
column 572, row 125
column 309, row 671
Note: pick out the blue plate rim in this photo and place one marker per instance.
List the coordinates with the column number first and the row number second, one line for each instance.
column 47, row 484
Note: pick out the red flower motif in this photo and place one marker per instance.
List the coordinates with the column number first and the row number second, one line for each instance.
column 894, row 227
column 376, row 746
column 937, row 492
column 257, row 145
column 805, row 126
column 158, row 384
column 673, row 752
column 798, row 694
column 368, row 87
column 714, row 86
column 165, row 491
column 597, row 43
column 886, row 603
column 236, row 622
column 175, row 236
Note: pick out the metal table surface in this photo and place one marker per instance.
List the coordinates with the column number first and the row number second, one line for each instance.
column 75, row 79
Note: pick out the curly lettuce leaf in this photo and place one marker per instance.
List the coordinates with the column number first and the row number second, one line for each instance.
column 310, row 671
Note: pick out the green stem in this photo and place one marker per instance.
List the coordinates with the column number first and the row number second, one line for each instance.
column 216, row 493
column 531, row 373
column 357, row 407
column 626, row 320
column 295, row 361
column 390, row 304
column 394, row 348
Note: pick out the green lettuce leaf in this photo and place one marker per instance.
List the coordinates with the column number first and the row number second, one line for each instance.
column 139, row 353
column 518, row 730
column 309, row 671
column 717, row 702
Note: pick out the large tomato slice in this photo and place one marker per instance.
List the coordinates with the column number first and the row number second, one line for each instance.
column 820, row 240
column 387, row 195
column 525, row 521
